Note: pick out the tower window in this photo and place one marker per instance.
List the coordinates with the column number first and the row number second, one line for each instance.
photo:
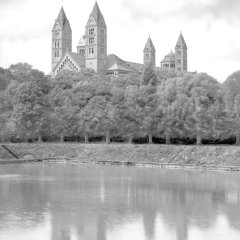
column 55, row 44
column 179, row 53
column 102, row 41
column 58, row 43
column 91, row 40
column 57, row 35
column 91, row 31
column 101, row 50
column 91, row 50
column 102, row 31
column 82, row 51
column 147, row 56
column 179, row 61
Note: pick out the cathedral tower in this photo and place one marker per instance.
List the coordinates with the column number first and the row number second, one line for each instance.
column 181, row 60
column 61, row 38
column 149, row 53
column 96, row 41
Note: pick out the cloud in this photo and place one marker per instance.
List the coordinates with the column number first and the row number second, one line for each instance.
column 24, row 35
column 226, row 10
column 139, row 11
column 233, row 55
column 6, row 3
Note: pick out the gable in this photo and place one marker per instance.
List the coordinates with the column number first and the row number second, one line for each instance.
column 70, row 61
column 57, row 26
column 91, row 21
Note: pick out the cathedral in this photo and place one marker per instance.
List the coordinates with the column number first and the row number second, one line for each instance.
column 92, row 50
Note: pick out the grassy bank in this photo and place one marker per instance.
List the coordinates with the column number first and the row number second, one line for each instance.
column 219, row 156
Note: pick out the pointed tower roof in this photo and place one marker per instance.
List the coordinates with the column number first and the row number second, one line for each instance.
column 62, row 18
column 149, row 45
column 181, row 41
column 96, row 13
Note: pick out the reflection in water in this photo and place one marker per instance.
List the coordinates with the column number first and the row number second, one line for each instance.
column 73, row 202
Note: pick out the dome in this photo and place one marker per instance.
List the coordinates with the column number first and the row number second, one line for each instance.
column 82, row 41
column 169, row 58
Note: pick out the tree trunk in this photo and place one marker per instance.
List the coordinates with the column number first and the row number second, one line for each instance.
column 62, row 138
column 199, row 138
column 237, row 138
column 108, row 138
column 130, row 139
column 86, row 138
column 167, row 135
column 150, row 141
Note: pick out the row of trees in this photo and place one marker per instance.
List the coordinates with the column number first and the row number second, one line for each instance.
column 157, row 103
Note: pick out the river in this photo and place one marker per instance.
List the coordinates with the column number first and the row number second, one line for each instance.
column 87, row 202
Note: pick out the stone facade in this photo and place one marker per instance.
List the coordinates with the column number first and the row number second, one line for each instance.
column 92, row 49
column 181, row 55
column 61, row 38
column 169, row 61
column 149, row 53
column 96, row 41
column 178, row 60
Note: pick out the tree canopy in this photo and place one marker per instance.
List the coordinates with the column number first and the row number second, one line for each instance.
column 158, row 103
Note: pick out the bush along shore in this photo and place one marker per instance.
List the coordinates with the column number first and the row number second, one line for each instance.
column 167, row 156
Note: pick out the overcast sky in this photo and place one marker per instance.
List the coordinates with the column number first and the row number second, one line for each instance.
column 211, row 29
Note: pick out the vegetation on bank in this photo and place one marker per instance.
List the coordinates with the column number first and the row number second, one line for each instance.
column 155, row 105
column 218, row 156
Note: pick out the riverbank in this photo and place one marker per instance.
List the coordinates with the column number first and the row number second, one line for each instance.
column 215, row 157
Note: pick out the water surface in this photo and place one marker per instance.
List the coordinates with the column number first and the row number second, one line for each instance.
column 75, row 202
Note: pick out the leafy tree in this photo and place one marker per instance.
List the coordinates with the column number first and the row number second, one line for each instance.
column 231, row 89
column 167, row 97
column 147, row 102
column 163, row 74
column 29, row 110
column 149, row 76
column 64, row 119
column 129, row 113
column 5, row 77
column 20, row 71
column 204, row 92
column 91, row 116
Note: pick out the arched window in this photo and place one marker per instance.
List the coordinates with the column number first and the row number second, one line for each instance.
column 91, row 31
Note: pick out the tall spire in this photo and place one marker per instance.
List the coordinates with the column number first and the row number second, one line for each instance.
column 149, row 53
column 181, row 41
column 181, row 57
column 61, row 38
column 96, row 12
column 96, row 41
column 62, row 18
column 149, row 45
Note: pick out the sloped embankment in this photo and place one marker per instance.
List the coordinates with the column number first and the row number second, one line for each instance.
column 159, row 154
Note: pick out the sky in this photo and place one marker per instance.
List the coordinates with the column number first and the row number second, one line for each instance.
column 211, row 29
